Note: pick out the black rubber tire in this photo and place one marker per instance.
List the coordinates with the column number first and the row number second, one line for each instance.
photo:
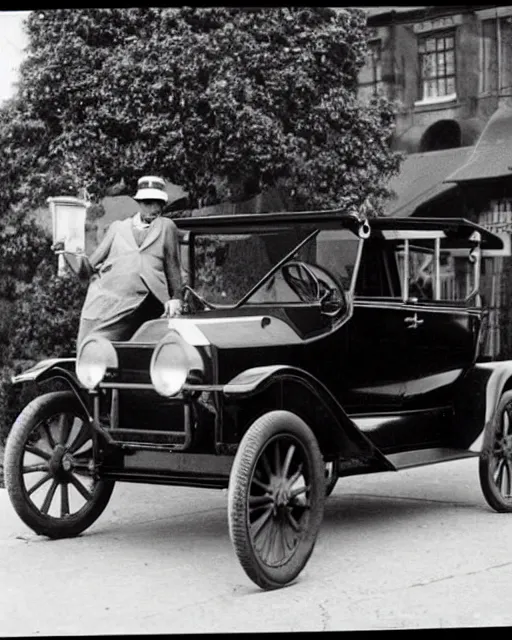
column 27, row 423
column 272, row 428
column 489, row 462
column 331, row 478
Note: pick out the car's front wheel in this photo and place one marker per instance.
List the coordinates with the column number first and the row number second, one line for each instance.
column 276, row 498
column 49, row 467
column 495, row 464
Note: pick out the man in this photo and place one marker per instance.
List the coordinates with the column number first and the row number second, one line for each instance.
column 136, row 273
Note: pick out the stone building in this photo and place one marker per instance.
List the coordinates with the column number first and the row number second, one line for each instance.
column 449, row 70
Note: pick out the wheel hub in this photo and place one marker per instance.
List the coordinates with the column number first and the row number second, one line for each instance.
column 506, row 446
column 60, row 461
column 282, row 496
column 67, row 462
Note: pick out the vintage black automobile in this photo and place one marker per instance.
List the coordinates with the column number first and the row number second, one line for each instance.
column 314, row 345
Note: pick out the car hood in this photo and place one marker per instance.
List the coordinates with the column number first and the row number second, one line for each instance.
column 223, row 332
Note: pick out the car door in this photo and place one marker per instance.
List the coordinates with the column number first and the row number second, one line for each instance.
column 442, row 333
column 379, row 364
column 360, row 358
column 407, row 352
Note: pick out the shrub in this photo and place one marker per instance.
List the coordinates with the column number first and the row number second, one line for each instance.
column 12, row 400
column 44, row 323
column 24, row 245
column 46, row 316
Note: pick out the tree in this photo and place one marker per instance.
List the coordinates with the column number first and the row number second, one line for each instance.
column 224, row 101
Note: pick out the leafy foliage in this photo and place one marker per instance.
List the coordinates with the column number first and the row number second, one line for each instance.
column 223, row 100
column 44, row 324
column 46, row 316
column 23, row 246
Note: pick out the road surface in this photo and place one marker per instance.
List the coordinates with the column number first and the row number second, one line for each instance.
column 408, row 550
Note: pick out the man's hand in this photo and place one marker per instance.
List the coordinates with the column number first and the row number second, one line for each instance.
column 58, row 247
column 172, row 308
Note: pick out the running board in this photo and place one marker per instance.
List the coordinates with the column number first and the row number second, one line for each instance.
column 206, row 481
column 421, row 457
column 162, row 440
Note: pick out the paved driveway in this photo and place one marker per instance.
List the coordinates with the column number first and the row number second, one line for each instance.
column 415, row 549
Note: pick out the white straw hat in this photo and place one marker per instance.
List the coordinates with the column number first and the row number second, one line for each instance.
column 151, row 188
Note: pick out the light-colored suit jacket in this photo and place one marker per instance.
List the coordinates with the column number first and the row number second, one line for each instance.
column 128, row 272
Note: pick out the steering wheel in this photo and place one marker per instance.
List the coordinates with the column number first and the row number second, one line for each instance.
column 302, row 281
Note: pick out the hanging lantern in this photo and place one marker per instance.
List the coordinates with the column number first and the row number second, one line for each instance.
column 68, row 224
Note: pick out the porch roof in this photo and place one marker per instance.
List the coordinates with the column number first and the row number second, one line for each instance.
column 492, row 154
column 422, row 178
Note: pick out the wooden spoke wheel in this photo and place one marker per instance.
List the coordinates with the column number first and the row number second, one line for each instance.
column 276, row 498
column 495, row 465
column 50, row 470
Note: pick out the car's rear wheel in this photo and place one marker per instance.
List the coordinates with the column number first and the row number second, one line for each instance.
column 49, row 467
column 276, row 498
column 495, row 464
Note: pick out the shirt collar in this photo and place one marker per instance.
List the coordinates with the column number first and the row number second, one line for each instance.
column 138, row 223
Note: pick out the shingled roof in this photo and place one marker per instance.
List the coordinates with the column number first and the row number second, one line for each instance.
column 422, row 178
column 492, row 154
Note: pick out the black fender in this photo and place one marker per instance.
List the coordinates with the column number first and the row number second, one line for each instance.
column 51, row 369
column 339, row 437
column 477, row 399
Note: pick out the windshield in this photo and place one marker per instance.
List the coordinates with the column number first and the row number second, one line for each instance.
column 227, row 267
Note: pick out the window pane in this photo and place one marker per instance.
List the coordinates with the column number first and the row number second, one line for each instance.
column 455, row 274
column 489, row 55
column 450, row 63
column 438, row 62
column 430, row 90
column 429, row 70
column 457, row 278
column 380, row 272
column 506, row 54
column 450, row 86
column 441, row 64
column 420, row 272
column 336, row 252
column 228, row 266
